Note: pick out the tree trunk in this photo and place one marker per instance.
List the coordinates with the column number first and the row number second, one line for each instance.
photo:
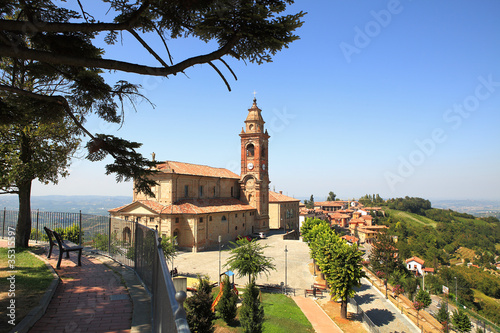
column 23, row 229
column 343, row 309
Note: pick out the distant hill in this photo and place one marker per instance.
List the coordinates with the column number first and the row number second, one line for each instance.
column 89, row 204
column 474, row 207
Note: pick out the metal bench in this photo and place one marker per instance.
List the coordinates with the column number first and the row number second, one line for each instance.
column 63, row 247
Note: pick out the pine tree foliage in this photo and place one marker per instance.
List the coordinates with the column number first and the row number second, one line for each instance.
column 199, row 315
column 384, row 255
column 442, row 315
column 251, row 312
column 461, row 321
column 227, row 304
column 331, row 196
column 424, row 297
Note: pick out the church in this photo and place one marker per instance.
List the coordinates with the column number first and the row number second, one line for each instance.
column 198, row 203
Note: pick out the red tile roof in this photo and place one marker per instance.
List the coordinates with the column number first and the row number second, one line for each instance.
column 195, row 169
column 153, row 205
column 350, row 238
column 278, row 197
column 429, row 269
column 206, row 206
column 416, row 259
column 192, row 206
column 329, row 203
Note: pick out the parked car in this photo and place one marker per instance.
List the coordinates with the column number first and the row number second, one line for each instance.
column 260, row 235
column 248, row 238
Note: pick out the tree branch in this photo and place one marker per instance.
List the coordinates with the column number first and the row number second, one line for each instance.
column 53, row 58
column 147, row 47
column 24, row 26
column 220, row 74
column 49, row 99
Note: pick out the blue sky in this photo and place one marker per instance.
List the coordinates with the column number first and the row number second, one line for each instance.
column 391, row 97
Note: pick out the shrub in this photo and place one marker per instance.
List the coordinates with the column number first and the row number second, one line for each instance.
column 251, row 312
column 199, row 314
column 227, row 303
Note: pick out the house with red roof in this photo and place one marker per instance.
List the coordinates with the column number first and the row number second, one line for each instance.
column 416, row 265
column 198, row 204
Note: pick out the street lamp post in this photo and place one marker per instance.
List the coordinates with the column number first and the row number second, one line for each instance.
column 286, row 268
column 220, row 239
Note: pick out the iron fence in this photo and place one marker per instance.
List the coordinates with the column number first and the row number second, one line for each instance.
column 127, row 242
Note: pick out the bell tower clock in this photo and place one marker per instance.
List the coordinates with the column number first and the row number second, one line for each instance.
column 254, row 179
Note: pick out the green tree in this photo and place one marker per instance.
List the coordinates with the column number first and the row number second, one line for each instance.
column 308, row 225
column 309, row 203
column 247, row 259
column 344, row 274
column 384, row 255
column 169, row 247
column 199, row 314
column 410, row 285
column 331, row 196
column 32, row 149
column 251, row 312
column 461, row 321
column 423, row 297
column 443, row 316
column 227, row 304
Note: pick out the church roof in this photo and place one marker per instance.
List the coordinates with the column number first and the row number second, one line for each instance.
column 207, row 206
column 191, row 206
column 278, row 197
column 195, row 170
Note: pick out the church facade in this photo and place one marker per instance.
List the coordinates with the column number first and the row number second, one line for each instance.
column 198, row 204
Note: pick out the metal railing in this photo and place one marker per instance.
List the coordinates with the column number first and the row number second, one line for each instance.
column 127, row 242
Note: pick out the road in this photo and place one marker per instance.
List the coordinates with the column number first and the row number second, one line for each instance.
column 381, row 311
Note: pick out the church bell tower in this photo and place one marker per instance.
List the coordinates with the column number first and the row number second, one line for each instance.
column 254, row 179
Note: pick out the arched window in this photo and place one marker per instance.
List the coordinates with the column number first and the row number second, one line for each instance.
column 223, row 219
column 250, row 150
column 126, row 235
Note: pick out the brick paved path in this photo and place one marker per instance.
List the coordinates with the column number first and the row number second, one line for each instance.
column 320, row 321
column 89, row 298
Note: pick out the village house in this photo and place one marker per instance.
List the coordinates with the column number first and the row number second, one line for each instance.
column 416, row 265
column 283, row 211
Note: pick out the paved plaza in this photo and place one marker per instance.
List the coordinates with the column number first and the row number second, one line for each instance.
column 298, row 258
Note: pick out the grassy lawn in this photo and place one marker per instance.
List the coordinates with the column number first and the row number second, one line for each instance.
column 410, row 217
column 32, row 278
column 281, row 315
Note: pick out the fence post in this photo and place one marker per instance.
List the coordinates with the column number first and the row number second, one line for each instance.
column 136, row 224
column 109, row 235
column 80, row 233
column 3, row 227
column 37, row 232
